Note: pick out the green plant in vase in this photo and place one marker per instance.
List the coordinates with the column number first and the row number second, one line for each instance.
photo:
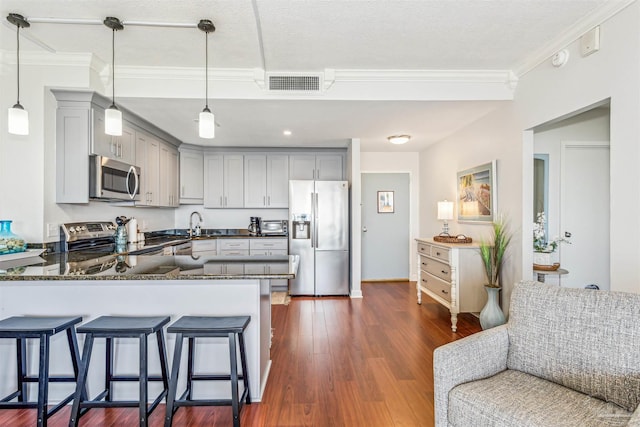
column 493, row 254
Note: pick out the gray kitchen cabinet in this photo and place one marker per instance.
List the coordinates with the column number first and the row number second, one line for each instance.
column 121, row 148
column 168, row 176
column 266, row 181
column 191, row 176
column 325, row 166
column 270, row 247
column 224, row 181
column 148, row 155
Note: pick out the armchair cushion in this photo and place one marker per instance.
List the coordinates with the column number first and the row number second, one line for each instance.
column 587, row 341
column 514, row 398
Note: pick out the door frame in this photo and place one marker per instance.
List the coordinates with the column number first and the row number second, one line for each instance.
column 413, row 218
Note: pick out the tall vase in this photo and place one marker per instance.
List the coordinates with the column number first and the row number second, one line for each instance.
column 492, row 315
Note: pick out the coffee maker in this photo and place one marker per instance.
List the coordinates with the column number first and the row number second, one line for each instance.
column 254, row 225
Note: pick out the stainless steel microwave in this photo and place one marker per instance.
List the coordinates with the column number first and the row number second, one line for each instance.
column 273, row 226
column 113, row 180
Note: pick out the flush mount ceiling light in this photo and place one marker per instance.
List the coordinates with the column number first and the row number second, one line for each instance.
column 399, row 139
column 286, row 132
column 207, row 123
column 113, row 116
column 18, row 117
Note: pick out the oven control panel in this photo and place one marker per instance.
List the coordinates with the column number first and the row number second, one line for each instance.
column 74, row 231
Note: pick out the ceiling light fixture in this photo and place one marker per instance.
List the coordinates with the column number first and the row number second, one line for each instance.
column 399, row 139
column 286, row 132
column 18, row 117
column 207, row 123
column 113, row 116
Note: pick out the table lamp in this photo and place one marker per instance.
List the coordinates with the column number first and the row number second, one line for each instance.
column 445, row 213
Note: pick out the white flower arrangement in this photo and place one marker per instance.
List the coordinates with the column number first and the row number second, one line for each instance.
column 540, row 243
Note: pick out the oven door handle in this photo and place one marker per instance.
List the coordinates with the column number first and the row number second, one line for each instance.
column 132, row 170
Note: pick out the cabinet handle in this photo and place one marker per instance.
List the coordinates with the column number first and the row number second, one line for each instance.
column 444, row 272
column 264, row 202
column 182, row 191
column 444, row 292
column 437, row 253
column 220, row 201
column 268, row 200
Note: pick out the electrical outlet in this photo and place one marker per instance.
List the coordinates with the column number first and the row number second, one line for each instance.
column 143, row 225
column 52, row 230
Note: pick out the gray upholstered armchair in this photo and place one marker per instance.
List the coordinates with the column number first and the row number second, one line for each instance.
column 567, row 357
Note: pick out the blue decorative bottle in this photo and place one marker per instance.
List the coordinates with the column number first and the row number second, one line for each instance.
column 9, row 241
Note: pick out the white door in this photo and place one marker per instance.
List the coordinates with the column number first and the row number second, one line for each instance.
column 385, row 235
column 584, row 213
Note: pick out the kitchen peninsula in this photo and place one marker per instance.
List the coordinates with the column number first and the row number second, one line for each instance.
column 147, row 285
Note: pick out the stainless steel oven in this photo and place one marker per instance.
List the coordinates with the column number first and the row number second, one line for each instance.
column 113, row 180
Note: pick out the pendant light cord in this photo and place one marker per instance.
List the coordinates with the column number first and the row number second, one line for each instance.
column 206, row 69
column 113, row 67
column 18, row 62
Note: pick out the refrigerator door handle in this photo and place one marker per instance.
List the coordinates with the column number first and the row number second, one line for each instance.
column 313, row 222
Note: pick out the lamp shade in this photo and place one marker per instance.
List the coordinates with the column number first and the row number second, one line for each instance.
column 18, row 120
column 113, row 121
column 207, row 124
column 445, row 210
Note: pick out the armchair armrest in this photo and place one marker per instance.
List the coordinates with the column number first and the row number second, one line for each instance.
column 471, row 358
column 635, row 418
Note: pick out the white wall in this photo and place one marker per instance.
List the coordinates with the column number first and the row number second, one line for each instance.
column 406, row 163
column 545, row 94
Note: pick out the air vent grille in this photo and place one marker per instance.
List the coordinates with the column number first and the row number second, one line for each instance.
column 294, row 83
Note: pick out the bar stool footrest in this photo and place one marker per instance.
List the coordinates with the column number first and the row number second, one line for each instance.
column 212, row 377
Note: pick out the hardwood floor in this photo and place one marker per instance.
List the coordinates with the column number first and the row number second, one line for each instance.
column 336, row 362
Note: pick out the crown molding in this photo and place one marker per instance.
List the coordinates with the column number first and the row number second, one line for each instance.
column 571, row 34
column 184, row 73
column 476, row 76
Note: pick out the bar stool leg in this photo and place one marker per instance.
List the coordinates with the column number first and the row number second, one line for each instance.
column 82, row 380
column 21, row 347
column 173, row 383
column 143, row 380
column 108, row 369
column 75, row 355
column 234, row 379
column 43, row 381
column 190, row 358
column 164, row 366
column 245, row 371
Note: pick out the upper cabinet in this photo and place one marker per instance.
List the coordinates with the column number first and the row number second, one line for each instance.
column 80, row 132
column 266, row 181
column 319, row 167
column 191, row 176
column 223, row 181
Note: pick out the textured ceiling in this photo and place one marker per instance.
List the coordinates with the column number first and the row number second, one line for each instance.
column 308, row 36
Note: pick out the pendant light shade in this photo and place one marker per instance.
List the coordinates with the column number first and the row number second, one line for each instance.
column 113, row 116
column 18, row 117
column 207, row 123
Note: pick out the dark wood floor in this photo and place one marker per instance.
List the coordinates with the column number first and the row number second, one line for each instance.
column 336, row 362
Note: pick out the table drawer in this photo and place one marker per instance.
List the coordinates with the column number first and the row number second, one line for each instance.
column 424, row 249
column 440, row 253
column 437, row 286
column 437, row 268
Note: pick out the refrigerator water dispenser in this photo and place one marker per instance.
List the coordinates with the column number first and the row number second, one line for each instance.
column 301, row 229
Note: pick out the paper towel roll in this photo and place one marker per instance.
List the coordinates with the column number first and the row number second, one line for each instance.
column 132, row 230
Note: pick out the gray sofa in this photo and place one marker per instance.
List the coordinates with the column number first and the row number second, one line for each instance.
column 567, row 357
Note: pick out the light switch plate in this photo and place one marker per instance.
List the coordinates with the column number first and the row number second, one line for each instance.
column 52, row 230
column 590, row 42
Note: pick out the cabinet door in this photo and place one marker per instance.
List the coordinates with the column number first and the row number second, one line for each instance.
column 302, row 166
column 191, row 177
column 213, row 181
column 73, row 125
column 255, row 185
column 168, row 174
column 255, row 268
column 101, row 143
column 148, row 154
column 125, row 145
column 329, row 167
column 233, row 181
column 277, row 181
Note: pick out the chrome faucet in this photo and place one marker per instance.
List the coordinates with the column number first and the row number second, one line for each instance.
column 197, row 230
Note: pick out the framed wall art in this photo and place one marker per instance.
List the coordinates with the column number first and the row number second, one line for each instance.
column 385, row 202
column 477, row 193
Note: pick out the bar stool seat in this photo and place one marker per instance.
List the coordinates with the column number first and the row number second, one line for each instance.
column 110, row 327
column 193, row 327
column 23, row 327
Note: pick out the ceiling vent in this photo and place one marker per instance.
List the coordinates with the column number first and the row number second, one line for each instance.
column 294, row 82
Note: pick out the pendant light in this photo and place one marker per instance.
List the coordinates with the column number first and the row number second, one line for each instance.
column 207, row 123
column 113, row 116
column 18, row 117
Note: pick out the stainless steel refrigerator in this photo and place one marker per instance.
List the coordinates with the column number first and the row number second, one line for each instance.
column 319, row 234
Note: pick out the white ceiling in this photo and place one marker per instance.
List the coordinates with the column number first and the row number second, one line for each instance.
column 311, row 36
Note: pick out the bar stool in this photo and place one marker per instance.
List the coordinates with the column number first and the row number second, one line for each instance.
column 111, row 327
column 23, row 327
column 193, row 327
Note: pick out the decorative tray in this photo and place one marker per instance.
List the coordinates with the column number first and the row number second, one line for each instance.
column 460, row 238
column 29, row 253
column 543, row 267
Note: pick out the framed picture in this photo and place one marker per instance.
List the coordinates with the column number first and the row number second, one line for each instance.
column 385, row 201
column 477, row 193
